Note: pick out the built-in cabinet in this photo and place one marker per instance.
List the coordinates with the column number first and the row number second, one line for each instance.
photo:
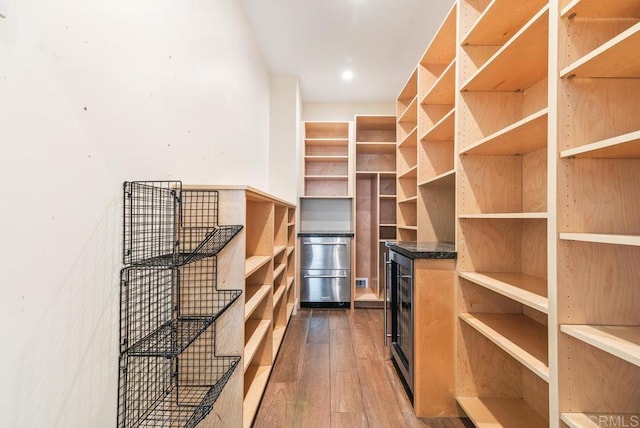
column 327, row 160
column 538, row 108
column 407, row 160
column 375, row 203
column 263, row 263
column 598, row 175
column 502, row 180
column 435, row 205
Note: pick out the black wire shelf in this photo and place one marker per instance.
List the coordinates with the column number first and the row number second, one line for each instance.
column 170, row 375
column 167, row 226
column 177, row 392
column 163, row 309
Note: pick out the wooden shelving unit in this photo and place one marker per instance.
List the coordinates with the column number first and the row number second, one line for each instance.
column 375, row 203
column 326, row 154
column 407, row 159
column 435, row 204
column 262, row 262
column 598, row 209
column 502, row 174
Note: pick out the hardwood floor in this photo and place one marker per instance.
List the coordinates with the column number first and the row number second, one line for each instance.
column 333, row 371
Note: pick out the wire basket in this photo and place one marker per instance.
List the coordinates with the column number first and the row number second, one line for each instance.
column 179, row 392
column 163, row 309
column 167, row 226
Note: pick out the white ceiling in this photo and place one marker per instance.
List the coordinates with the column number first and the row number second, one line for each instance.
column 381, row 41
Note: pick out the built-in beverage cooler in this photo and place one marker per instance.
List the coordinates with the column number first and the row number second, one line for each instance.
column 325, row 271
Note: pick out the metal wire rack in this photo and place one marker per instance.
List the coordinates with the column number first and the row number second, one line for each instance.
column 173, row 392
column 170, row 375
column 164, row 309
column 167, row 226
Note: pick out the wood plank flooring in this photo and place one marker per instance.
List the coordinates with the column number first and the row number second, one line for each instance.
column 333, row 371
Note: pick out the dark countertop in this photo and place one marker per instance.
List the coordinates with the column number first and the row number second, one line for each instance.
column 423, row 250
column 330, row 233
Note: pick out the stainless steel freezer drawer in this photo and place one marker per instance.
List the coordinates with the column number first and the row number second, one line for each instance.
column 325, row 252
column 325, row 286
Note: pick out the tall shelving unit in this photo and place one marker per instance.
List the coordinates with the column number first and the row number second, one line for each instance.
column 407, row 160
column 375, row 202
column 263, row 260
column 598, row 209
column 436, row 134
column 502, row 178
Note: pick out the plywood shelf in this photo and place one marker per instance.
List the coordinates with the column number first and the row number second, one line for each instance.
column 501, row 412
column 409, row 200
column 320, row 130
column 410, row 140
column 278, row 270
column 443, row 89
column 524, row 136
column 442, row 130
column 373, row 148
column 517, row 335
column 625, row 146
column 442, row 48
column 258, row 294
column 339, row 142
column 621, row 341
column 407, row 227
column 410, row 173
column 410, row 115
column 278, row 249
column 447, row 179
column 602, row 238
column 577, row 420
column 407, row 94
column 500, row 21
column 252, row 264
column 600, row 9
column 518, row 64
column 617, row 58
column 277, row 296
column 290, row 280
column 253, row 395
column 526, row 289
column 325, row 177
column 278, row 336
column 493, row 216
column 259, row 329
column 314, row 158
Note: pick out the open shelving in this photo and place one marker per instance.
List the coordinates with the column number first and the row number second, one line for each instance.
column 375, row 202
column 502, row 174
column 435, row 181
column 326, row 159
column 263, row 261
column 598, row 245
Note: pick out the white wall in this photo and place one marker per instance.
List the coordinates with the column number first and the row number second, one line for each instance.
column 344, row 111
column 93, row 93
column 284, row 131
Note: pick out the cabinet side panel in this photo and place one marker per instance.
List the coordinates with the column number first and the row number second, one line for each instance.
column 535, row 392
column 435, row 339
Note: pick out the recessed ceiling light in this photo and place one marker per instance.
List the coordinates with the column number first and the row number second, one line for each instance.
column 347, row 75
